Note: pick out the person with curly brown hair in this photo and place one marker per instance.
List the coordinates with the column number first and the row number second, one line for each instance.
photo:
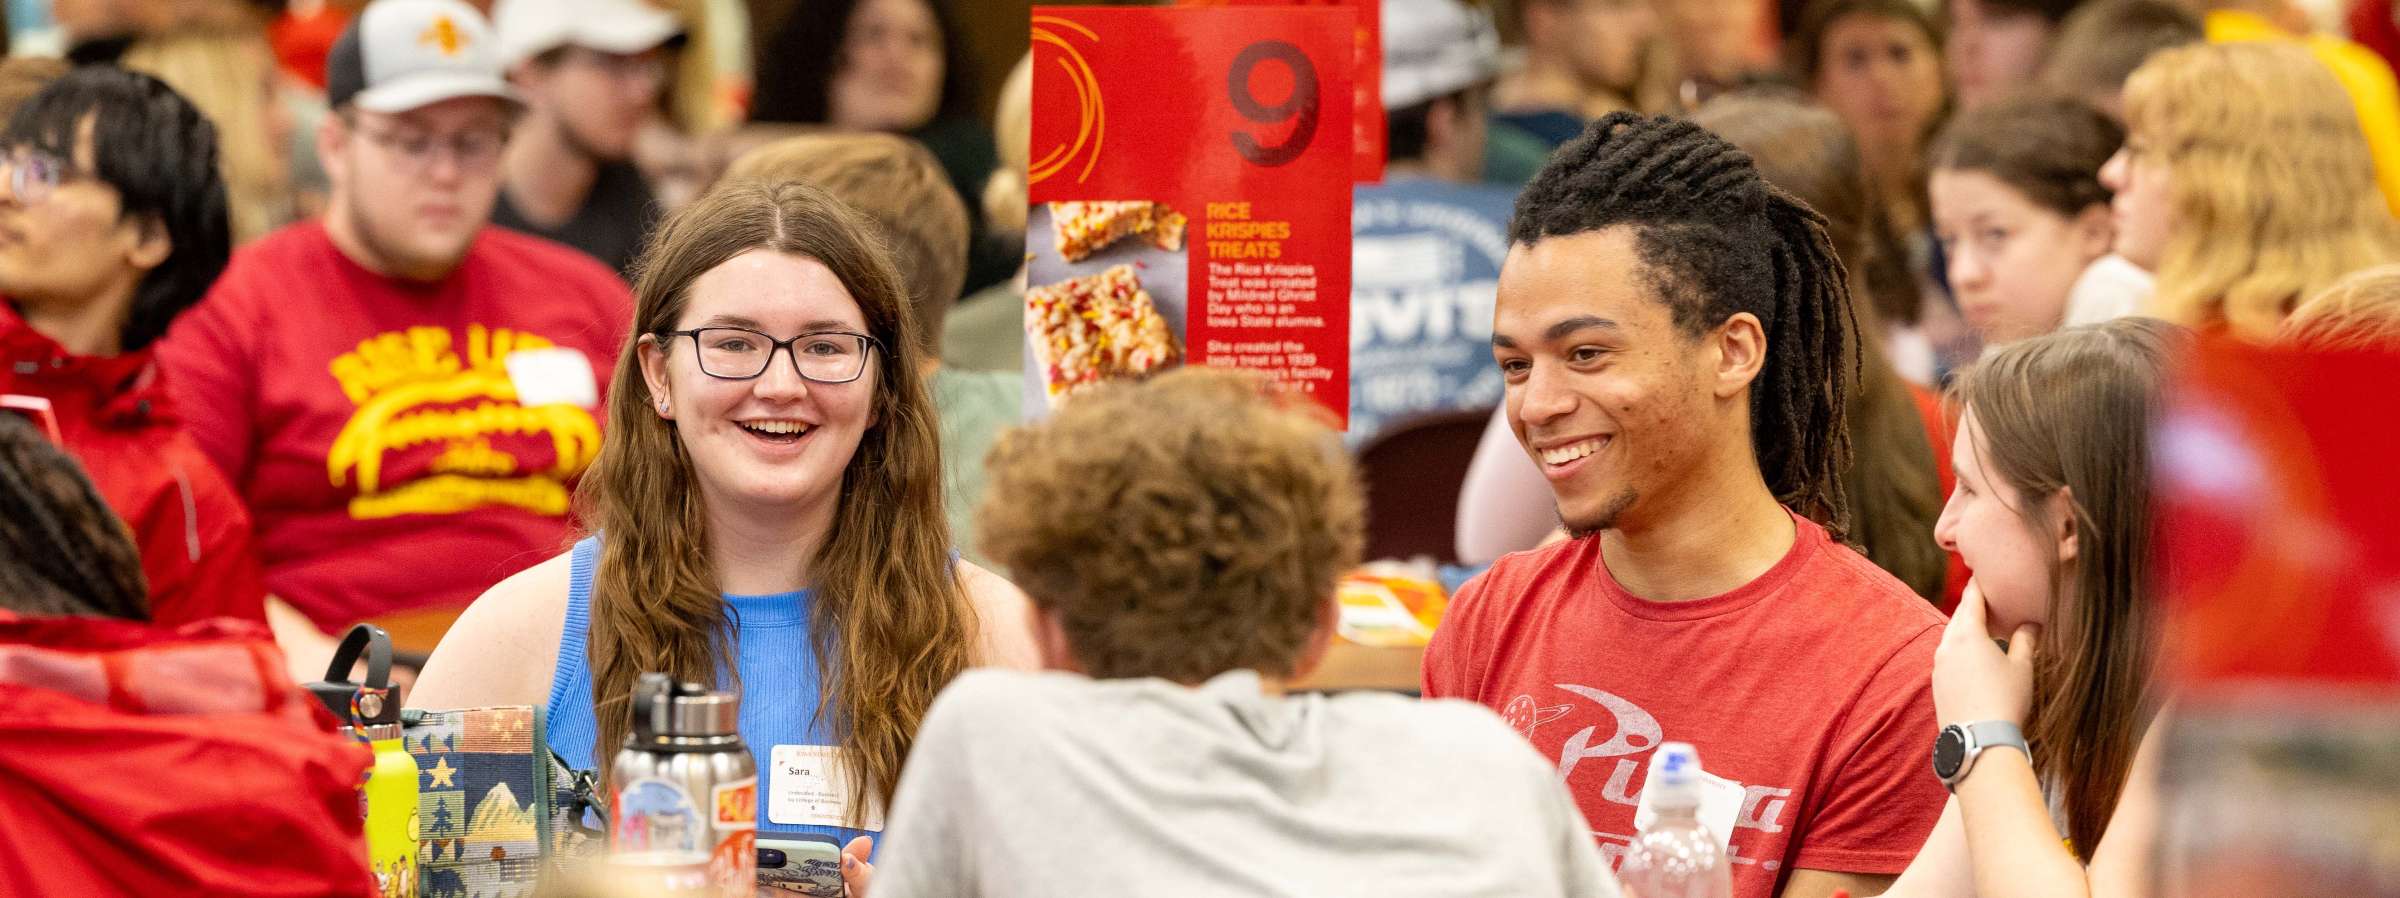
column 1179, row 539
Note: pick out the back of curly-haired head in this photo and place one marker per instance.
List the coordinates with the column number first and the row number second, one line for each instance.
column 1718, row 240
column 1179, row 527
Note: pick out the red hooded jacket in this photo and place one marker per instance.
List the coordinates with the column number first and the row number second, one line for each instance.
column 142, row 761
column 112, row 414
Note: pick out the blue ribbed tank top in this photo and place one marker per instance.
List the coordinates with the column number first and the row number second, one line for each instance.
column 778, row 665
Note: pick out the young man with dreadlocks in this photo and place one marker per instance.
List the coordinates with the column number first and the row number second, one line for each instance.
column 1675, row 336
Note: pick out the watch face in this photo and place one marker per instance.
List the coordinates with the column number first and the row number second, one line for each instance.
column 1949, row 751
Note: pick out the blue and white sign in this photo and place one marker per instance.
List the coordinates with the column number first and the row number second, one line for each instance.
column 1424, row 269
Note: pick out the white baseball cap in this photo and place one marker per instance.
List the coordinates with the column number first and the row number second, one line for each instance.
column 530, row 28
column 399, row 55
column 1434, row 48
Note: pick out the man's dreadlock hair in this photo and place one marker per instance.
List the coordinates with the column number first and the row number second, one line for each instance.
column 1716, row 239
column 62, row 551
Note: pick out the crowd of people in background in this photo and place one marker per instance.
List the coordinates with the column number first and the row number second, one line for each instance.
column 633, row 337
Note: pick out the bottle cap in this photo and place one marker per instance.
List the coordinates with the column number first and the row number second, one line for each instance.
column 665, row 709
column 1675, row 776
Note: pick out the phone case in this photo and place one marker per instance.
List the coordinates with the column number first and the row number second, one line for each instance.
column 811, row 867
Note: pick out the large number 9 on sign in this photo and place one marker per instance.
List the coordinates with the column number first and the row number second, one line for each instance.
column 1299, row 108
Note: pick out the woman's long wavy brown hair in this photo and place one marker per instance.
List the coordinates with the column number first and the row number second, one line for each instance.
column 890, row 621
column 2072, row 410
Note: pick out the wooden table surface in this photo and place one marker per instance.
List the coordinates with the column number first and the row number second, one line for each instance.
column 1348, row 665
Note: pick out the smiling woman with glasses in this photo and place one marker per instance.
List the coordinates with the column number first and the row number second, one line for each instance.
column 773, row 524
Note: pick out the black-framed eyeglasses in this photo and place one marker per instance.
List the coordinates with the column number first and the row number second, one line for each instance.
column 739, row 353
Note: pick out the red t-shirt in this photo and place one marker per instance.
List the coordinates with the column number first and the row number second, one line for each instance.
column 1811, row 686
column 372, row 424
column 114, row 417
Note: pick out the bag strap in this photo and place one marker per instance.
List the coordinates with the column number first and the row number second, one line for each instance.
column 342, row 697
column 583, row 790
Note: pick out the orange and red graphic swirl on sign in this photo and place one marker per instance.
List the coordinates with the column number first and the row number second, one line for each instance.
column 1091, row 123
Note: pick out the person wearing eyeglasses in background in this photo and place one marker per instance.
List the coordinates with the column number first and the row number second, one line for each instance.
column 590, row 72
column 404, row 395
column 114, row 223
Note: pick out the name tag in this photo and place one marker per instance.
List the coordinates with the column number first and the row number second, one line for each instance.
column 809, row 785
column 558, row 375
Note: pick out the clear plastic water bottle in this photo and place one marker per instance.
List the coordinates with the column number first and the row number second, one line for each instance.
column 1676, row 856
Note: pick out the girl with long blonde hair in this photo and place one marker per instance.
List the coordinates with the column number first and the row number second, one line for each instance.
column 766, row 513
column 2245, row 185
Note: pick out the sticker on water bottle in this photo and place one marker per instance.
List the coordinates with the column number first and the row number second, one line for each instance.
column 653, row 814
column 737, row 805
column 733, row 866
column 1720, row 807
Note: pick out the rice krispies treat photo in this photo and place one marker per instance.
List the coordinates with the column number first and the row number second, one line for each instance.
column 1089, row 329
column 1085, row 228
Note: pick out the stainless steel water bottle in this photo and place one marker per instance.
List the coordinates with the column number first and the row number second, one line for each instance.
column 684, row 791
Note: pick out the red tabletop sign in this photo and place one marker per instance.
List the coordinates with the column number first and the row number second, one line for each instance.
column 2279, row 518
column 1366, row 79
column 1191, row 186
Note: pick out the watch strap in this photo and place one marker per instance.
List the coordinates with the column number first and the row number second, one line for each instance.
column 1983, row 734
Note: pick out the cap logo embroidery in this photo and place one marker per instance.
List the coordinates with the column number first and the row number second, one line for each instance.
column 445, row 36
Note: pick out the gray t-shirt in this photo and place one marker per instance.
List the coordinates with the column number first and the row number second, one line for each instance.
column 1050, row 784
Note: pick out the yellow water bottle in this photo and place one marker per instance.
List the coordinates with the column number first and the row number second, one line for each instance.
column 391, row 804
column 388, row 797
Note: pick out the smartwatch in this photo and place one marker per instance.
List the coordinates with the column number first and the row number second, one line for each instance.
column 1955, row 749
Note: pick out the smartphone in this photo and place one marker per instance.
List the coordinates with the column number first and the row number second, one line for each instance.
column 802, row 865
